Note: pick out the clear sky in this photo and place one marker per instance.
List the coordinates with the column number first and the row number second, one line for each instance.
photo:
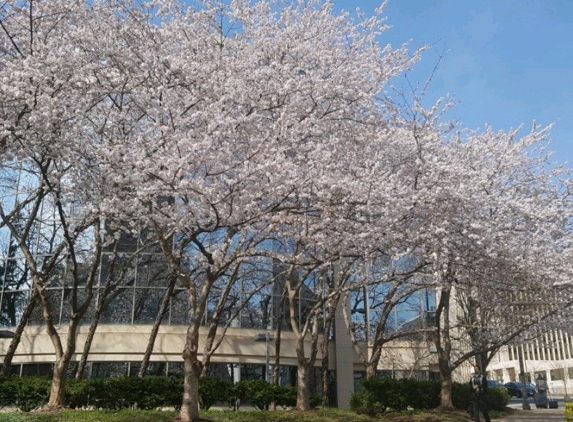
column 506, row 62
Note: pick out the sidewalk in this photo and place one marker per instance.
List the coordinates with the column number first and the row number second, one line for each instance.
column 535, row 415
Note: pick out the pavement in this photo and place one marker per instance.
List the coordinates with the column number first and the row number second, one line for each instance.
column 535, row 415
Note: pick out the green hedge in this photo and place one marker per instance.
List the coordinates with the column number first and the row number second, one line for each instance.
column 213, row 390
column 146, row 393
column 26, row 393
column 125, row 392
column 497, row 399
column 260, row 394
column 379, row 395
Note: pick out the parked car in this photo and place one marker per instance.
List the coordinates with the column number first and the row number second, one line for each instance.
column 494, row 384
column 515, row 389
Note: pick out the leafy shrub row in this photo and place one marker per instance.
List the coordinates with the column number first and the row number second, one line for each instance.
column 379, row 395
column 26, row 393
column 259, row 394
column 146, row 393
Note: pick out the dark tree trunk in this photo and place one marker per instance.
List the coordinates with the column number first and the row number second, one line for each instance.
column 18, row 333
column 155, row 329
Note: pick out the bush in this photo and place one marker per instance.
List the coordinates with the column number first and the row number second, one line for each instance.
column 314, row 401
column 420, row 394
column 461, row 395
column 379, row 395
column 125, row 392
column 34, row 392
column 8, row 390
column 81, row 393
column 118, row 393
column 284, row 396
column 258, row 393
column 26, row 393
column 154, row 392
column 213, row 390
column 365, row 403
column 497, row 399
column 173, row 392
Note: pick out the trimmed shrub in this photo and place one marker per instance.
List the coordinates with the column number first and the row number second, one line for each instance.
column 258, row 393
column 497, row 399
column 364, row 402
column 461, row 395
column 26, row 393
column 173, row 392
column 8, row 390
column 420, row 394
column 314, row 401
column 284, row 396
column 120, row 393
column 213, row 390
column 34, row 392
column 159, row 392
column 81, row 393
column 379, row 395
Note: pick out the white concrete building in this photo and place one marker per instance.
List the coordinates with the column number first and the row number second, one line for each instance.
column 550, row 356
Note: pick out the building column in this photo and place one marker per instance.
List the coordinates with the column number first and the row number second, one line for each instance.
column 566, row 383
column 505, row 377
column 344, row 352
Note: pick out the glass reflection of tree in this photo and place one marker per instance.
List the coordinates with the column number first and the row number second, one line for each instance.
column 12, row 279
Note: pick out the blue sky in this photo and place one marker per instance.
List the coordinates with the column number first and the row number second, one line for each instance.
column 506, row 62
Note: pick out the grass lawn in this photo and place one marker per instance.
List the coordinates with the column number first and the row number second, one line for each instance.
column 326, row 415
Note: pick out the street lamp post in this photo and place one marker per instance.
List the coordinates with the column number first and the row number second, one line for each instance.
column 267, row 356
column 266, row 337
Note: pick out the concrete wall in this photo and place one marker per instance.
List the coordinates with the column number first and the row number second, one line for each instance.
column 128, row 343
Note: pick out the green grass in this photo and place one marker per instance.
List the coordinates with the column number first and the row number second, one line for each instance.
column 326, row 415
column 90, row 416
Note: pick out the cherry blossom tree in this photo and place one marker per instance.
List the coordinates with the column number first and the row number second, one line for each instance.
column 255, row 123
column 35, row 132
column 46, row 68
column 498, row 214
column 213, row 131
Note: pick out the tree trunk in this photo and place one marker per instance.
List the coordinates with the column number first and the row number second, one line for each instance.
column 445, row 381
column 91, row 333
column 325, row 353
column 88, row 343
column 444, row 347
column 58, row 390
column 446, row 391
column 325, row 378
column 99, row 310
column 151, row 342
column 18, row 333
column 190, row 406
column 303, row 389
column 372, row 366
